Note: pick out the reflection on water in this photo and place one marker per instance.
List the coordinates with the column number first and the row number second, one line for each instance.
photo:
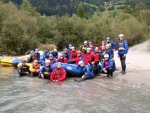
column 101, row 95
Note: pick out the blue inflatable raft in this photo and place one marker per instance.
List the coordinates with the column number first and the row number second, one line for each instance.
column 72, row 69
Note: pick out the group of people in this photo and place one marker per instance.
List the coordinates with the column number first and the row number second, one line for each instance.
column 93, row 60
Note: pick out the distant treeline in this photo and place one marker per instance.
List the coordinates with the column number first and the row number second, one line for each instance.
column 62, row 7
column 23, row 28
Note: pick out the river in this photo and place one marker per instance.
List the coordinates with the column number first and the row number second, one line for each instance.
column 100, row 95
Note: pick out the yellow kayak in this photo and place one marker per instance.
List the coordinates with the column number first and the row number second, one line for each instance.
column 6, row 61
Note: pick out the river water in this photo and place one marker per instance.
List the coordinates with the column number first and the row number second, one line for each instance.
column 100, row 95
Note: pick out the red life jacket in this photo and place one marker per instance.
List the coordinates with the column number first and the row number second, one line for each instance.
column 36, row 66
column 73, row 55
column 107, row 63
column 64, row 60
column 58, row 74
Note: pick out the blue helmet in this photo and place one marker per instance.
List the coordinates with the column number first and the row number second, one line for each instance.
column 50, row 55
column 31, row 51
column 62, row 55
column 65, row 49
column 70, row 45
column 90, row 42
column 36, row 49
column 107, row 38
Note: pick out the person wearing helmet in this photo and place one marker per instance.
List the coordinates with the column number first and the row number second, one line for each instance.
column 84, row 47
column 66, row 55
column 52, row 59
column 122, row 51
column 111, row 43
column 58, row 74
column 108, row 66
column 69, row 50
column 97, row 66
column 46, row 54
column 80, row 57
column 45, row 70
column 55, row 53
column 91, row 46
column 73, row 55
column 23, row 69
column 35, row 68
column 62, row 59
column 102, row 44
column 109, row 51
column 31, row 56
column 88, row 74
column 91, row 57
column 37, row 54
column 102, row 53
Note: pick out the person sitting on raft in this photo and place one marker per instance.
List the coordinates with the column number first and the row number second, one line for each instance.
column 62, row 59
column 31, row 57
column 66, row 53
column 58, row 74
column 108, row 66
column 23, row 69
column 88, row 74
column 45, row 71
column 84, row 47
column 37, row 54
column 55, row 53
column 52, row 59
column 73, row 55
column 35, row 68
column 80, row 57
column 46, row 54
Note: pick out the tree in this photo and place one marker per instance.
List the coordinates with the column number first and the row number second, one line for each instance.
column 27, row 6
column 80, row 11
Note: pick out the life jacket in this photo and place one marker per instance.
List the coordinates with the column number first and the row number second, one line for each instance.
column 106, row 63
column 36, row 66
column 121, row 45
column 61, row 60
column 35, row 56
column 47, row 54
column 66, row 55
column 58, row 73
column 97, row 55
column 54, row 54
column 74, row 54
column 47, row 70
column 103, row 52
column 52, row 61
column 24, row 68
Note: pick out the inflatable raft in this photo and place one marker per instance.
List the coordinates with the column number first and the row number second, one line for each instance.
column 18, row 60
column 71, row 69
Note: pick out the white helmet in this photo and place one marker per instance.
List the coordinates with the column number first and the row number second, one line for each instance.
column 80, row 62
column 121, row 35
column 47, row 61
column 106, row 56
column 55, row 49
column 85, row 42
column 107, row 45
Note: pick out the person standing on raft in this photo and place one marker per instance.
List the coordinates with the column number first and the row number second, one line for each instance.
column 122, row 51
column 45, row 71
column 58, row 74
column 88, row 74
column 108, row 66
column 23, row 69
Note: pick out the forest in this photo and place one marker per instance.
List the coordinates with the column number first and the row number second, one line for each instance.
column 24, row 28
